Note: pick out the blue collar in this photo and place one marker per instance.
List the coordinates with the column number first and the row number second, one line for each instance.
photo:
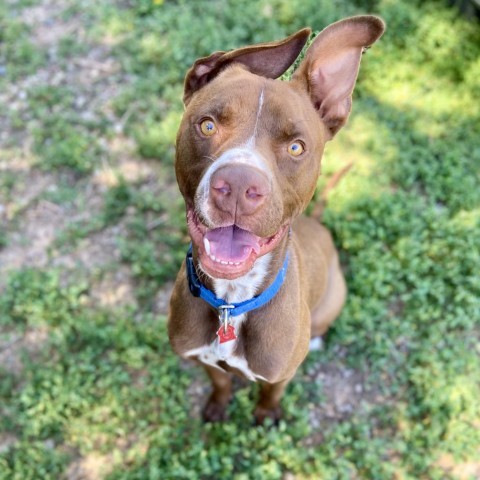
column 199, row 290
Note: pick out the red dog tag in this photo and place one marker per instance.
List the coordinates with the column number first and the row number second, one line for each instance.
column 226, row 336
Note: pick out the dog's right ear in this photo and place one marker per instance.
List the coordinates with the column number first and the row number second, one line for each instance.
column 269, row 60
column 329, row 70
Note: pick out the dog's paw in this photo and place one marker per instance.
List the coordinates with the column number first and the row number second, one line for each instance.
column 214, row 412
column 261, row 414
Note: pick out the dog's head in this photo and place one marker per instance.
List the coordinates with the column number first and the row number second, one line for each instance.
column 249, row 146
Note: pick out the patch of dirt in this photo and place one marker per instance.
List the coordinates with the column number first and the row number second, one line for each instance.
column 127, row 166
column 47, row 26
column 113, row 289
column 90, row 467
column 29, row 184
column 7, row 440
column 94, row 466
column 93, row 252
column 458, row 469
column 28, row 245
column 31, row 242
column 13, row 346
column 345, row 391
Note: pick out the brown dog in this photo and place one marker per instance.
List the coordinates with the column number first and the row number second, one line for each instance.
column 260, row 280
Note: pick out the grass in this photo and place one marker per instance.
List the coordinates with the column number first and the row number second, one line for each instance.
column 62, row 139
column 100, row 389
column 18, row 54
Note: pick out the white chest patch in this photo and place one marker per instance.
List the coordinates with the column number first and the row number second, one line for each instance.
column 234, row 291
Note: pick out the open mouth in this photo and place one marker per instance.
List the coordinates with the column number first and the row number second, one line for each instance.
column 229, row 252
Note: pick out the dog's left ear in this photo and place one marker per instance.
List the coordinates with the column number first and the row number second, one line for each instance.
column 269, row 60
column 330, row 67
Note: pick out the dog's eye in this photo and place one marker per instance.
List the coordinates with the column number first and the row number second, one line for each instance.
column 296, row 149
column 208, row 127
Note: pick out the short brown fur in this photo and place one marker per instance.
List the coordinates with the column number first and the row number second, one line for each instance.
column 311, row 108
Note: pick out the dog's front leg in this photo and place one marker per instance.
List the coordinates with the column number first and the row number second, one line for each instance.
column 215, row 409
column 268, row 405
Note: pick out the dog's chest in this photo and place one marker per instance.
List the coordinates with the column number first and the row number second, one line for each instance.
column 234, row 291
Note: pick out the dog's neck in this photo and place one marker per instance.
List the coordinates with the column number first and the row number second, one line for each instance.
column 245, row 287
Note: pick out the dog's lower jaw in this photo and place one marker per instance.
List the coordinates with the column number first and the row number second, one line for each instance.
column 216, row 270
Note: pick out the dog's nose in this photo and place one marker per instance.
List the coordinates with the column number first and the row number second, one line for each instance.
column 239, row 189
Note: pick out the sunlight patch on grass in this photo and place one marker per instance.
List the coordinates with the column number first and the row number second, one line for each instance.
column 113, row 24
column 467, row 219
column 431, row 100
column 91, row 466
column 366, row 145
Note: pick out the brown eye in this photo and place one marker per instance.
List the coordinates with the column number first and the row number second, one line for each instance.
column 208, row 127
column 296, row 149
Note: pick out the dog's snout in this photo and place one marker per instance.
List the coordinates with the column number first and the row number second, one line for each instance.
column 239, row 189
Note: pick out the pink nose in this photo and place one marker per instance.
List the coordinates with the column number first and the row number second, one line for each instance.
column 239, row 189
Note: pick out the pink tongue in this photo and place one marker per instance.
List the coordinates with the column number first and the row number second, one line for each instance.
column 232, row 244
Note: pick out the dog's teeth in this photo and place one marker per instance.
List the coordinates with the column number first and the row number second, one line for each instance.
column 206, row 244
column 223, row 262
column 230, row 263
column 213, row 258
column 236, row 263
